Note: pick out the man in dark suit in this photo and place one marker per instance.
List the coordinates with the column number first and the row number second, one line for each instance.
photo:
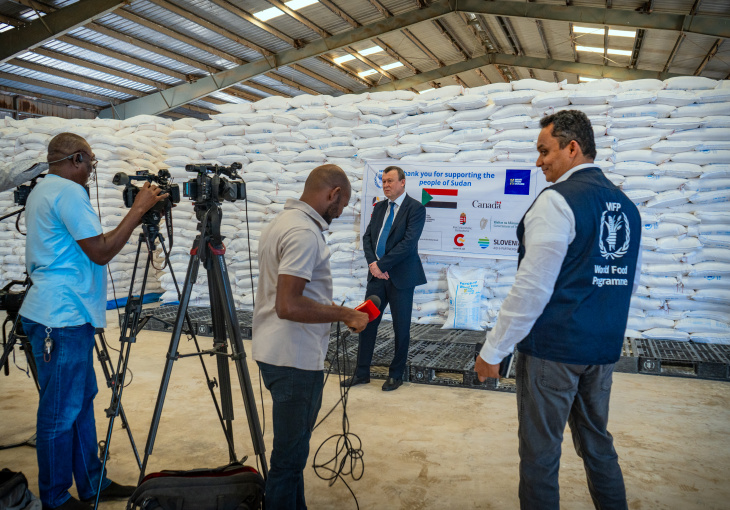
column 391, row 249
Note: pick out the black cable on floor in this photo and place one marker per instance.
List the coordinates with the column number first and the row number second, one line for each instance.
column 348, row 453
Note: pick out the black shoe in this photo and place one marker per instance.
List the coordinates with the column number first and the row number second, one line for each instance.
column 391, row 384
column 114, row 491
column 70, row 504
column 354, row 381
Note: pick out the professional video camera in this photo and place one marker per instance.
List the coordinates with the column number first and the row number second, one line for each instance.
column 214, row 187
column 162, row 179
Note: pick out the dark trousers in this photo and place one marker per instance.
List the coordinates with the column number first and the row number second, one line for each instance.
column 65, row 427
column 401, row 307
column 549, row 394
column 297, row 397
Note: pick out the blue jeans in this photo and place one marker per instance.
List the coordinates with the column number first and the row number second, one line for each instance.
column 549, row 394
column 65, row 428
column 297, row 397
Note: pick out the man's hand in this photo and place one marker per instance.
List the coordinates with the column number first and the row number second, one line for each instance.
column 357, row 322
column 377, row 273
column 484, row 369
column 148, row 195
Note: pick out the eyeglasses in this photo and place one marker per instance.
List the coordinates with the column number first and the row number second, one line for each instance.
column 94, row 161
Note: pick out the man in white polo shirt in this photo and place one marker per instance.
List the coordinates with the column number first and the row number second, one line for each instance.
column 291, row 325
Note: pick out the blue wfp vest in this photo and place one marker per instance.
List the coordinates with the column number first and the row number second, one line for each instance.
column 585, row 319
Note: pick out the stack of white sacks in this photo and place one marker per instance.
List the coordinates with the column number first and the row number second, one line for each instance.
column 667, row 144
column 126, row 146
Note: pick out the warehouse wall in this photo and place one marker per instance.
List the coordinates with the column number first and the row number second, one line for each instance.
column 667, row 144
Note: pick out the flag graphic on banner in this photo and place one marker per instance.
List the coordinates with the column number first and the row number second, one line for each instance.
column 429, row 197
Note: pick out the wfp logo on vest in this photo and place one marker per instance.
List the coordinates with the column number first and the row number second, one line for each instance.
column 613, row 240
column 517, row 182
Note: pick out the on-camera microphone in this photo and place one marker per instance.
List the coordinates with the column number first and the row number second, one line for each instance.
column 371, row 306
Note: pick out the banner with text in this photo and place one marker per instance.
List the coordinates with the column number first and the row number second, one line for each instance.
column 472, row 209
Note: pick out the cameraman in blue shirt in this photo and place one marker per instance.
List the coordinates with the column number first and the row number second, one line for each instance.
column 65, row 255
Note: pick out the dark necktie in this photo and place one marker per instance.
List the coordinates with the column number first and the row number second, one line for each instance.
column 380, row 250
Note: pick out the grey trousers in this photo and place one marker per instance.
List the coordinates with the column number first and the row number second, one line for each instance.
column 549, row 394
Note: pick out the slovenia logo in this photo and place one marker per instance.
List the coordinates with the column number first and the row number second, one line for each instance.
column 484, row 243
column 614, row 228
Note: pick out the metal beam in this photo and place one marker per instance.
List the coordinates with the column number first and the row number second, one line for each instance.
column 617, row 73
column 210, row 26
column 712, row 25
column 451, row 37
column 257, row 22
column 675, row 50
column 177, row 96
column 263, row 88
column 300, row 18
column 291, row 83
column 483, row 76
column 326, row 81
column 390, row 51
column 18, row 40
column 381, row 8
column 369, row 62
column 335, row 9
column 415, row 40
column 709, row 56
column 638, row 41
column 344, row 70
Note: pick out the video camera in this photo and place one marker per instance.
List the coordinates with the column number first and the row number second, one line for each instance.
column 162, row 179
column 214, row 188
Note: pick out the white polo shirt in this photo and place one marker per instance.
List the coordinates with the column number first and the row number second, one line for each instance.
column 292, row 244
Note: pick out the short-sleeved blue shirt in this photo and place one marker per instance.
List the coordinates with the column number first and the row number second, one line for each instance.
column 68, row 288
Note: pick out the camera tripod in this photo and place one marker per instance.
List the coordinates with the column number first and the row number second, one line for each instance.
column 208, row 249
column 129, row 328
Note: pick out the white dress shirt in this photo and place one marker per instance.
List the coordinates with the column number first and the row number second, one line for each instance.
column 549, row 229
column 398, row 202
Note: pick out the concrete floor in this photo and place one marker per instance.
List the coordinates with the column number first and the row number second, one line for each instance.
column 424, row 446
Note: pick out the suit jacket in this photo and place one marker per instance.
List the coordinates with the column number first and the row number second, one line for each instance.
column 401, row 260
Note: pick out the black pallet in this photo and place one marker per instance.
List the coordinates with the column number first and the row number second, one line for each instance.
column 163, row 319
column 452, row 365
column 681, row 359
column 627, row 363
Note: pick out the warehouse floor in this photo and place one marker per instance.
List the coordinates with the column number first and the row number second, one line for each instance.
column 424, row 446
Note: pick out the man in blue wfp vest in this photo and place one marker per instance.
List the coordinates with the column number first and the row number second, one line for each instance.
column 567, row 312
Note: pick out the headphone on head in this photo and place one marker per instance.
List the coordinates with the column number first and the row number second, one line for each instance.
column 79, row 158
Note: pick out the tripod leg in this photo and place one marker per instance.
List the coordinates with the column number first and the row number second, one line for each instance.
column 210, row 382
column 172, row 353
column 224, row 375
column 219, row 273
column 102, row 355
column 127, row 336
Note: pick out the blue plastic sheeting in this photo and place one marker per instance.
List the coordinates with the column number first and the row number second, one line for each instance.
column 121, row 302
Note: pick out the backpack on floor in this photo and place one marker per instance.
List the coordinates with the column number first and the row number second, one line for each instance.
column 231, row 487
column 14, row 493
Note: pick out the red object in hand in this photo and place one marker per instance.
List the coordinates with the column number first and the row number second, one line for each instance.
column 370, row 307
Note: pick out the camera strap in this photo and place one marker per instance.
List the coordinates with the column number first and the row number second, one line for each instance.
column 168, row 224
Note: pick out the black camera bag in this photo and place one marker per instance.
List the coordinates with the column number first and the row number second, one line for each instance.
column 231, row 487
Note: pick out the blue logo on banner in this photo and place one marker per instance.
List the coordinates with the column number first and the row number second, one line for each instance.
column 517, row 182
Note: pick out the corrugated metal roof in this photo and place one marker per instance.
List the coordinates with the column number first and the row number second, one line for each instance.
column 51, row 78
column 105, row 60
column 84, row 72
column 206, row 50
column 37, row 89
